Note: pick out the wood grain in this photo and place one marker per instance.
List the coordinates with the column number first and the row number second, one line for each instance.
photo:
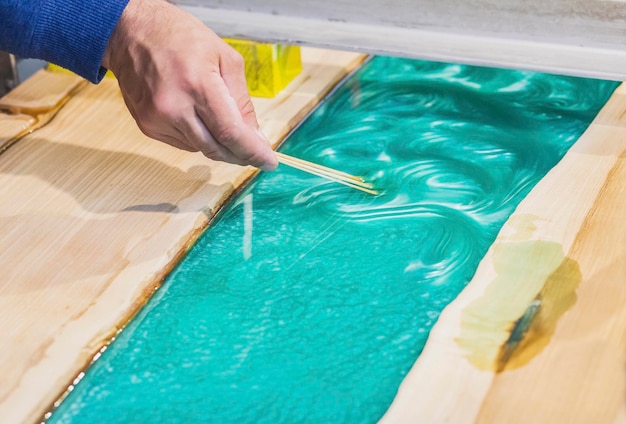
column 31, row 106
column 94, row 215
column 564, row 247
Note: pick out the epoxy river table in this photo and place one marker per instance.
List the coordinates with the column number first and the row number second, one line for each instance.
column 94, row 215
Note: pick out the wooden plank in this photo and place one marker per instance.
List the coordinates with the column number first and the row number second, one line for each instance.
column 555, row 275
column 31, row 106
column 94, row 215
column 43, row 92
column 13, row 126
column 563, row 36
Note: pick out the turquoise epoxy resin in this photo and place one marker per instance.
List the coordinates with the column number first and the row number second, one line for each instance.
column 308, row 301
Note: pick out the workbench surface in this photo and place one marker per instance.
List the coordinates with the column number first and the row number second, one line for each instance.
column 94, row 215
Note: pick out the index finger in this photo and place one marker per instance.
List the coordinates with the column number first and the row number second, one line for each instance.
column 220, row 113
column 232, row 71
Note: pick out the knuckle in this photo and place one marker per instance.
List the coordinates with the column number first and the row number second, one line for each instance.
column 228, row 135
column 235, row 59
column 163, row 107
column 212, row 153
column 246, row 106
column 253, row 158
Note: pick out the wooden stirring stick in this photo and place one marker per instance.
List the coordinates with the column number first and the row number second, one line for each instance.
column 330, row 174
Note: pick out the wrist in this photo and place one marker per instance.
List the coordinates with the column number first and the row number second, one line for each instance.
column 129, row 24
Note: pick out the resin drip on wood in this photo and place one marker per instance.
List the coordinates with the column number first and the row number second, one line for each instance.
column 584, row 366
column 562, row 296
column 515, row 318
column 31, row 106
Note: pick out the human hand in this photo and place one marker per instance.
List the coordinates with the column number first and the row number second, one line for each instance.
column 184, row 85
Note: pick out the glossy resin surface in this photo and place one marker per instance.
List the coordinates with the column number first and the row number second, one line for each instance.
column 307, row 301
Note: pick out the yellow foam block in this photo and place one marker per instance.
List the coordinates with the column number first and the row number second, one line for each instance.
column 269, row 67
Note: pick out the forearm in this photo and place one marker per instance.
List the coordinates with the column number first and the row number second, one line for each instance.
column 70, row 33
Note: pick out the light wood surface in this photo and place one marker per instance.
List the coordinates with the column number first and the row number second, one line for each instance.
column 560, row 260
column 94, row 215
column 31, row 106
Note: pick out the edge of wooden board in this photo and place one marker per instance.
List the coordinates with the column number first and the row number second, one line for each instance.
column 61, row 360
column 540, row 273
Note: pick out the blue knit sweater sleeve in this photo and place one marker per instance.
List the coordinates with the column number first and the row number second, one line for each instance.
column 69, row 33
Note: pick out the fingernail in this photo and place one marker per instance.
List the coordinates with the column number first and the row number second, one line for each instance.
column 270, row 166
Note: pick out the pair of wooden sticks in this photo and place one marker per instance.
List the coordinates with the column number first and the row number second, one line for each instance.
column 330, row 174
